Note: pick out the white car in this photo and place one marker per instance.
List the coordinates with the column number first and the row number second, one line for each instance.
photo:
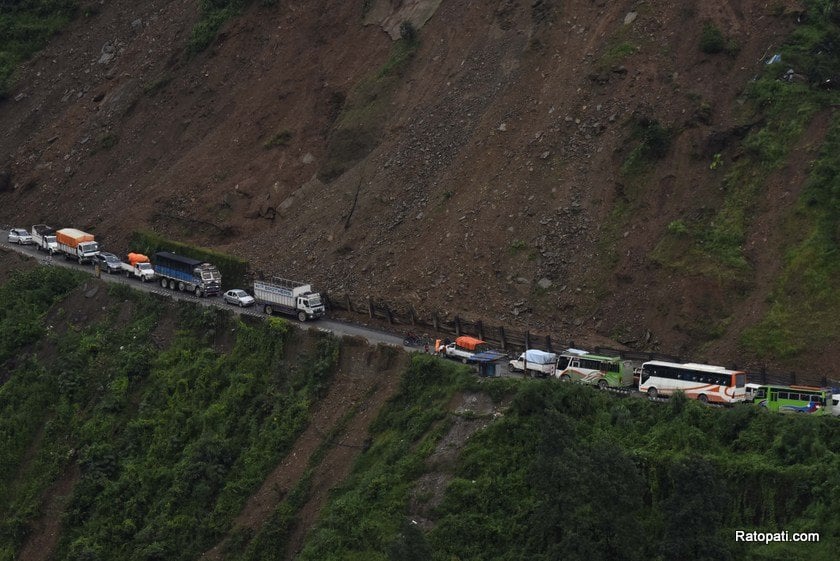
column 20, row 236
column 238, row 297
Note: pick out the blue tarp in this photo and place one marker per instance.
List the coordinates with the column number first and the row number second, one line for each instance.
column 488, row 356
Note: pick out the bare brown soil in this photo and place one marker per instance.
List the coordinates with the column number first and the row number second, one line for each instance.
column 489, row 163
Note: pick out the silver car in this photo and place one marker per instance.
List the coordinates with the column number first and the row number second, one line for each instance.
column 20, row 236
column 238, row 297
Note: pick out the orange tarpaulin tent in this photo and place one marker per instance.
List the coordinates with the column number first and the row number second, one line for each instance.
column 135, row 258
column 469, row 343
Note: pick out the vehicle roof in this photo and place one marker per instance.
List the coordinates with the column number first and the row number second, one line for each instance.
column 796, row 388
column 693, row 366
column 107, row 254
column 237, row 290
column 19, row 230
column 468, row 342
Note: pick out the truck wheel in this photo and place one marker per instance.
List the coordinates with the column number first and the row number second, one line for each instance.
column 80, row 260
column 199, row 293
column 172, row 284
column 163, row 283
column 602, row 384
column 302, row 316
column 181, row 287
column 268, row 311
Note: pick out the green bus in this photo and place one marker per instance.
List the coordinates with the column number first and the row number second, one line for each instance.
column 602, row 371
column 794, row 399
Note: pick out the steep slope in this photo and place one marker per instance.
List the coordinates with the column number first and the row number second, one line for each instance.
column 476, row 166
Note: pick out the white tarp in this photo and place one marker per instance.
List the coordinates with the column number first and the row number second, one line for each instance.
column 539, row 357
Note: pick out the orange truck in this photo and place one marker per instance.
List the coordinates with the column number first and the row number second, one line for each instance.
column 75, row 244
column 139, row 267
column 463, row 349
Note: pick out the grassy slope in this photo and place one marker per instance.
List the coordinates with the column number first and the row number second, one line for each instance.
column 169, row 442
column 806, row 298
column 570, row 473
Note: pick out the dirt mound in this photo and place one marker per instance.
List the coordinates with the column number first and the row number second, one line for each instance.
column 474, row 172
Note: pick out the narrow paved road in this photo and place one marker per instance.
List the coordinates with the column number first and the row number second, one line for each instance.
column 336, row 327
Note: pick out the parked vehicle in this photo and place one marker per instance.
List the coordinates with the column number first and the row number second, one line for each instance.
column 463, row 349
column 76, row 244
column 108, row 262
column 795, row 399
column 701, row 381
column 289, row 297
column 44, row 238
column 238, row 297
column 19, row 236
column 139, row 267
column 535, row 362
column 605, row 372
column 187, row 274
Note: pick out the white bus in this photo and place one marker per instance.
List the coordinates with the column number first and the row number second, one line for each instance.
column 703, row 382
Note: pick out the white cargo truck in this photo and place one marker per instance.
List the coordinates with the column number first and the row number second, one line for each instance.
column 288, row 297
column 139, row 267
column 76, row 244
column 534, row 362
column 44, row 238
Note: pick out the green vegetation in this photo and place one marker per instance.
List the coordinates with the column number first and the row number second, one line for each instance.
column 358, row 127
column 233, row 269
column 517, row 245
column 282, row 138
column 214, row 13
column 652, row 143
column 711, row 39
column 108, row 141
column 25, row 27
column 366, row 518
column 614, row 54
column 804, row 302
column 163, row 439
column 571, row 473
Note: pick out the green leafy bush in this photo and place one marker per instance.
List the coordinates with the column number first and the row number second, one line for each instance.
column 711, row 39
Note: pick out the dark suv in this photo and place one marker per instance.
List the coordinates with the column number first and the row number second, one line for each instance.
column 108, row 262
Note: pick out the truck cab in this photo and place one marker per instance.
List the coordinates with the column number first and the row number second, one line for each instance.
column 463, row 348
column 44, row 238
column 311, row 305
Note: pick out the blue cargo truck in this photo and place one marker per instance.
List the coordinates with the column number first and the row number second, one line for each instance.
column 178, row 272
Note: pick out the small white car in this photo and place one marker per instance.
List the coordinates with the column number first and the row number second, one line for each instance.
column 238, row 297
column 20, row 236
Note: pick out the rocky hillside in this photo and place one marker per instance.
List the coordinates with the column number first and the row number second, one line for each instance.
column 620, row 169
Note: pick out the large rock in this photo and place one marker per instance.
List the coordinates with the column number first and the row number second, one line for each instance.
column 391, row 15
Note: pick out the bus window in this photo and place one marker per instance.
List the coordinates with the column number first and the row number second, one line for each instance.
column 740, row 380
column 761, row 393
column 562, row 363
